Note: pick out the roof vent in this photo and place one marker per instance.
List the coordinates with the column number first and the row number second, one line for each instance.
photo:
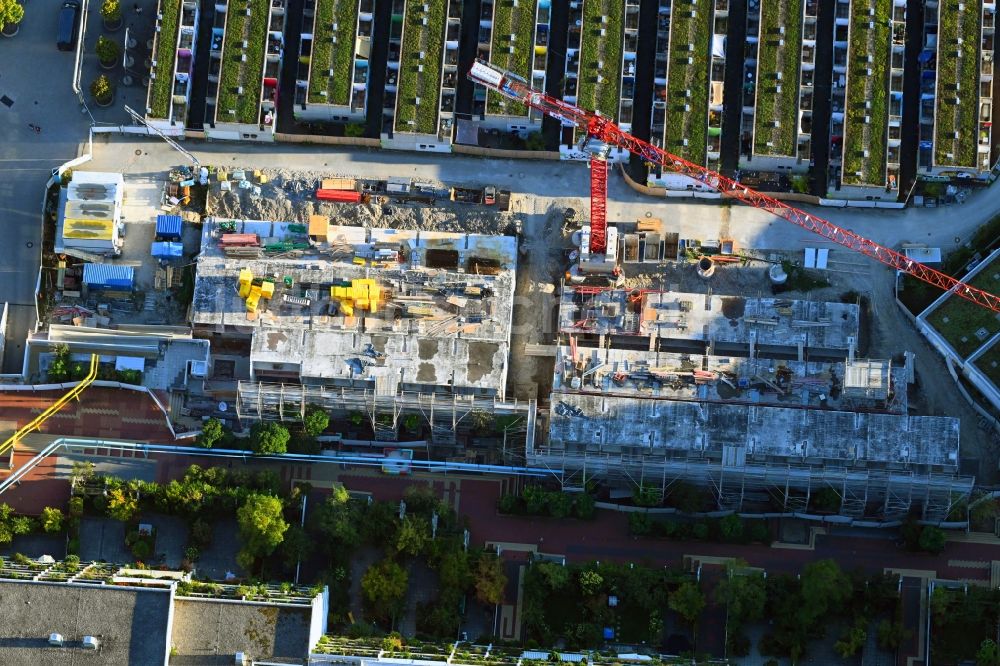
column 56, row 640
column 91, row 643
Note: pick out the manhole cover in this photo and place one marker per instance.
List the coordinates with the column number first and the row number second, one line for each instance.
column 138, row 152
column 30, row 244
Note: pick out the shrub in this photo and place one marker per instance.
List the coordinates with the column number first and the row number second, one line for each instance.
column 72, row 562
column 11, row 13
column 731, row 527
column 583, row 507
column 142, row 549
column 52, row 519
column 111, row 11
column 76, row 507
column 639, row 524
column 509, row 503
column 101, row 89
column 269, row 438
column 107, row 50
column 700, row 530
column 316, row 421
column 211, row 432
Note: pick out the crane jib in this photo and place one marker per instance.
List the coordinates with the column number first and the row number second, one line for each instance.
column 606, row 131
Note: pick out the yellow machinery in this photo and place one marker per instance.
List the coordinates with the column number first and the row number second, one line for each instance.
column 37, row 422
column 253, row 292
column 364, row 294
column 246, row 280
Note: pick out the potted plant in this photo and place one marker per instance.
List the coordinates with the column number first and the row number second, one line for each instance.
column 11, row 14
column 111, row 13
column 107, row 51
column 102, row 91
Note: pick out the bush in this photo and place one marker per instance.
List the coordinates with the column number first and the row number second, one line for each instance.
column 583, row 507
column 700, row 530
column 316, row 421
column 211, row 433
column 72, row 562
column 111, row 11
column 269, row 438
column 76, row 506
column 52, row 519
column 11, row 13
column 101, row 89
column 731, row 527
column 509, row 504
column 107, row 50
column 640, row 524
column 932, row 539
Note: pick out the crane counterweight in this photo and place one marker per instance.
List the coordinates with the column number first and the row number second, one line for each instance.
column 606, row 131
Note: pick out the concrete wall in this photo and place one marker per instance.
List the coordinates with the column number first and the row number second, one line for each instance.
column 423, row 143
column 505, row 154
column 327, row 140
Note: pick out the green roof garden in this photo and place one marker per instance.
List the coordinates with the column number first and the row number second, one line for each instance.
column 957, row 79
column 518, row 21
column 601, row 56
column 164, row 53
column 420, row 75
column 327, row 55
column 239, row 71
column 779, row 50
column 963, row 324
column 687, row 112
column 866, row 109
column 989, row 364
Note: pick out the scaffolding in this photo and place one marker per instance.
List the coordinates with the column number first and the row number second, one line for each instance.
column 738, row 485
column 446, row 414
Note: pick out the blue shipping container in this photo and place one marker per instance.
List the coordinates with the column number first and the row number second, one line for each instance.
column 167, row 250
column 168, row 226
column 107, row 276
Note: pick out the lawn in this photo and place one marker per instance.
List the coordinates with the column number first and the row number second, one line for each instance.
column 594, row 48
column 327, row 55
column 510, row 20
column 235, row 73
column 965, row 318
column 166, row 52
column 681, row 76
column 952, row 24
column 861, row 134
column 426, row 85
column 774, row 57
column 989, row 364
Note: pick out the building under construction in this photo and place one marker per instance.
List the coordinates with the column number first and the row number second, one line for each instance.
column 378, row 321
column 760, row 399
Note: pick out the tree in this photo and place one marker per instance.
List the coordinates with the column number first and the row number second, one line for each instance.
column 211, row 433
column 688, row 602
column 295, row 547
column 52, row 519
column 555, row 576
column 384, row 585
column 892, row 634
column 988, row 654
column 932, row 539
column 315, row 421
column 269, row 438
column 102, row 91
column 744, row 594
column 337, row 519
column 536, row 500
column 421, row 499
column 560, row 504
column 583, row 507
column 590, row 582
column 824, row 587
column 490, row 579
column 686, row 497
column 852, row 640
column 646, row 496
column 731, row 527
column 413, row 535
column 122, row 503
column 262, row 527
column 12, row 525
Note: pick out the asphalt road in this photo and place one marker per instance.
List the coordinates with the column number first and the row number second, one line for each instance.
column 35, row 88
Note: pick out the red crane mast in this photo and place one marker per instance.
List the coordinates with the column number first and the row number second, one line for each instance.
column 597, row 127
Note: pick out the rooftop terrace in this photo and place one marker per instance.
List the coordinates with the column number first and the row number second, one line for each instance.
column 866, row 107
column 512, row 48
column 687, row 80
column 727, row 319
column 601, row 56
column 421, row 58
column 331, row 65
column 957, row 97
column 776, row 117
column 241, row 77
column 746, row 433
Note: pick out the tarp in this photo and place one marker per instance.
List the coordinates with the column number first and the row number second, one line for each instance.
column 88, row 229
column 166, row 250
column 719, row 46
column 168, row 226
column 108, row 276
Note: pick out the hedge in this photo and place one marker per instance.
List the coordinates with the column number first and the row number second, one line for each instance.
column 326, row 55
column 166, row 52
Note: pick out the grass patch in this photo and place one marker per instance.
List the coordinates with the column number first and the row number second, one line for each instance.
column 958, row 320
column 428, row 39
column 510, row 20
column 236, row 73
column 326, row 55
column 951, row 70
column 869, row 134
column 989, row 364
column 772, row 57
column 605, row 96
column 681, row 76
column 166, row 52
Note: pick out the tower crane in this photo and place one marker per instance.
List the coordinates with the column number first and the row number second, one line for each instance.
column 601, row 134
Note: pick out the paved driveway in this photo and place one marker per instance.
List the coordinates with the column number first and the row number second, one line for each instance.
column 35, row 87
